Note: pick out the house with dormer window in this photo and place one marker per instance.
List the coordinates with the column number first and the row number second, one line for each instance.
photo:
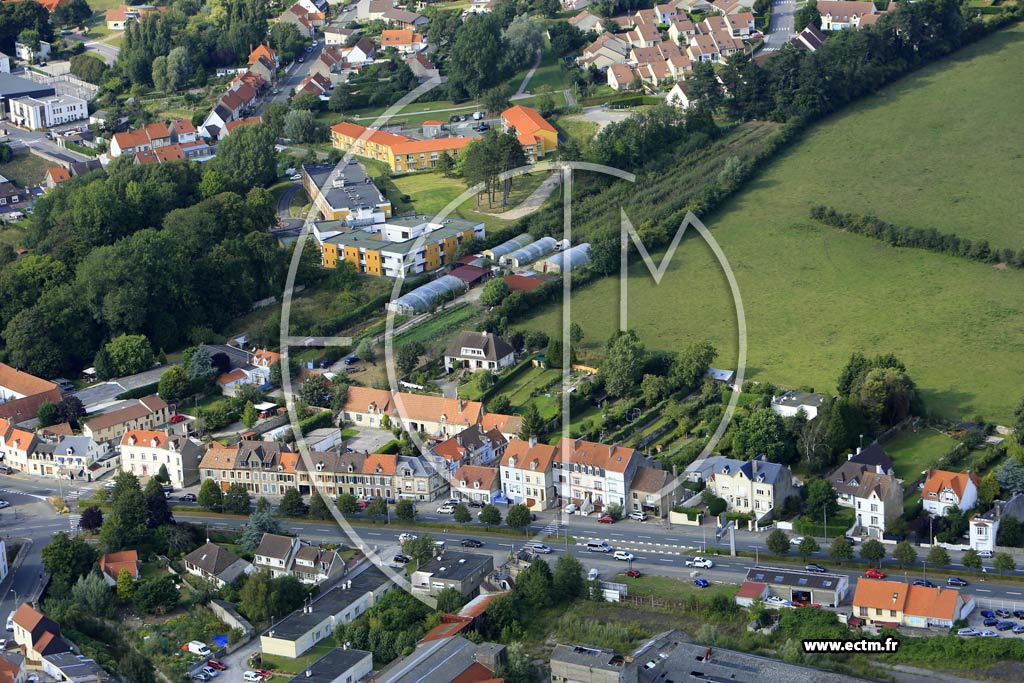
column 144, row 452
column 476, row 483
column 942, row 490
column 417, row 480
column 750, row 486
column 527, row 475
column 985, row 528
column 866, row 482
column 472, row 446
column 594, row 475
column 479, row 351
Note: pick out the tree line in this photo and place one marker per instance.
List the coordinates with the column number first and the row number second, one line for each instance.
column 912, row 237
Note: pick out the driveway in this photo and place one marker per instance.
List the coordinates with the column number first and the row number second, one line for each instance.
column 601, row 116
column 780, row 26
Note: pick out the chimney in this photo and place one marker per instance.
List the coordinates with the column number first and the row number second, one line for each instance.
column 533, row 441
column 849, row 457
column 858, row 450
column 753, row 466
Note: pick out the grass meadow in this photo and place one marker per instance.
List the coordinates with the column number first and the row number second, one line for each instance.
column 813, row 295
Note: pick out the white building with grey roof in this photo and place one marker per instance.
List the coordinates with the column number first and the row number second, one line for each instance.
column 479, row 351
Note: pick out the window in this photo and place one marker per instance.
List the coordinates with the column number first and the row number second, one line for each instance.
column 892, row 613
column 874, row 507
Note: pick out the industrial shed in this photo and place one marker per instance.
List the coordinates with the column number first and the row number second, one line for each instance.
column 423, row 298
column 530, row 253
column 507, row 247
column 566, row 261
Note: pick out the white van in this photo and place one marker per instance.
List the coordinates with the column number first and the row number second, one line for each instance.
column 598, row 547
column 10, row 621
column 197, row 647
column 593, row 574
column 477, row 115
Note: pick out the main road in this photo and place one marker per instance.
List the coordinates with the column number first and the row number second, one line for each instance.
column 780, row 25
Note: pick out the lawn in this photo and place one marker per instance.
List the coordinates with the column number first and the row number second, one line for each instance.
column 578, row 129
column 430, row 192
column 913, row 451
column 813, row 295
column 294, row 666
column 671, row 589
column 519, row 391
column 437, row 328
column 25, row 170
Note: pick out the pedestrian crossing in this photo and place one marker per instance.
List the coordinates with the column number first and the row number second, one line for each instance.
column 552, row 528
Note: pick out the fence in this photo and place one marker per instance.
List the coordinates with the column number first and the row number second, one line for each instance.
column 64, row 84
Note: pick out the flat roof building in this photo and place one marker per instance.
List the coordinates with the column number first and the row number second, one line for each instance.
column 337, row 666
column 344, row 192
column 801, row 586
column 462, row 571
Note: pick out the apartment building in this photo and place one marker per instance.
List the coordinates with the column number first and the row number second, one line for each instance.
column 751, row 486
column 527, row 474
column 343, row 192
column 594, row 475
column 36, row 113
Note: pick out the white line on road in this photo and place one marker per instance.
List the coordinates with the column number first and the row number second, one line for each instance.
column 665, row 559
column 982, row 590
column 1011, row 593
column 373, row 533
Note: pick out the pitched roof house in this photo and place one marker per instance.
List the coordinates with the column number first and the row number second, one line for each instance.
column 111, row 565
column 942, row 490
column 215, row 564
column 895, row 603
column 476, row 483
column 479, row 351
column 21, row 394
column 527, row 474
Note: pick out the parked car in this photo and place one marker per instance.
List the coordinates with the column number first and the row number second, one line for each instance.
column 634, row 574
column 991, row 621
column 471, row 543
column 796, row 540
column 1018, row 613
column 701, row 583
column 210, row 671
column 1003, row 613
column 957, row 581
column 968, row 632
column 3, row 644
column 638, row 515
column 188, row 498
column 351, row 359
column 297, row 176
column 777, row 601
column 987, row 613
column 924, row 582
column 446, row 509
column 700, row 562
column 200, row 676
column 300, row 60
column 217, row 664
column 815, row 568
column 850, row 539
column 1005, row 625
column 571, row 508
column 538, row 548
column 606, row 519
column 477, row 115
column 315, row 43
column 4, row 504
column 402, row 538
column 5, row 469
column 1019, row 628
column 989, row 634
column 622, row 555
column 476, row 503
column 175, row 419
column 401, row 559
column 874, row 574
column 252, row 676
column 985, row 554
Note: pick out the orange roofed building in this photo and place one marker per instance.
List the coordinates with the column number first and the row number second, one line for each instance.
column 894, row 603
column 433, row 415
column 942, row 490
column 594, row 475
column 111, row 565
column 21, row 394
column 536, row 135
column 528, row 475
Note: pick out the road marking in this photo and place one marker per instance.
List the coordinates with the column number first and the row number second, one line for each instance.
column 665, row 559
column 647, row 537
column 1011, row 593
column 982, row 590
column 373, row 533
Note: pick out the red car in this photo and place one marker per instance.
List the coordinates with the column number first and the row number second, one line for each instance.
column 175, row 419
column 633, row 573
column 216, row 665
column 607, row 519
column 874, row 574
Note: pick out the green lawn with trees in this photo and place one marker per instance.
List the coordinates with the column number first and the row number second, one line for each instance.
column 813, row 295
column 912, row 451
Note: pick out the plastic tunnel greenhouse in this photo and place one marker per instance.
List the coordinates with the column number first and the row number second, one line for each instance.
column 530, row 253
column 423, row 298
column 507, row 247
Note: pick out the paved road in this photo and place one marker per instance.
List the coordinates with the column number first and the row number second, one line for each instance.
column 31, row 139
column 780, row 27
column 108, row 53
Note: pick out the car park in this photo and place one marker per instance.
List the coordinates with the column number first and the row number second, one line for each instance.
column 956, row 581
column 623, row 555
column 1003, row 613
column 701, row 583
column 471, row 543
column 638, row 515
column 700, row 562
column 968, row 632
column 874, row 574
column 817, row 568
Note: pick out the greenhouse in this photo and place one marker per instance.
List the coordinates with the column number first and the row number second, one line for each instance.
column 566, row 261
column 530, row 253
column 517, row 242
column 422, row 299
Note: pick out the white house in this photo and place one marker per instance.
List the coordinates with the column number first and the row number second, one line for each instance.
column 479, row 351
column 792, row 402
column 679, row 95
column 985, row 528
column 942, row 490
column 476, row 483
column 143, row 452
column 751, row 486
column 594, row 475
column 33, row 113
column 26, row 54
column 836, row 16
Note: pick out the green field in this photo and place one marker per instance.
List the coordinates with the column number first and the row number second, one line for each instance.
column 813, row 295
column 439, row 326
column 912, row 452
column 903, row 140
column 25, row 170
